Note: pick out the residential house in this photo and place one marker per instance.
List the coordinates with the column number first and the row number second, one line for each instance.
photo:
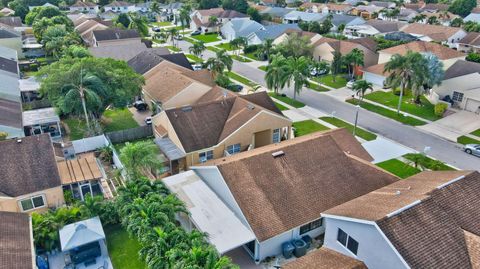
column 406, row 14
column 84, row 7
column 148, row 59
column 435, row 7
column 108, row 15
column 120, row 7
column 474, row 16
column 219, row 124
column 461, row 83
column 327, row 8
column 447, row 56
column 16, row 237
column 122, row 52
column 47, row 4
column 444, row 17
column 373, row 28
column 271, row 32
column 366, row 12
column 384, row 4
column 11, row 23
column 295, row 17
column 325, row 258
column 353, row 2
column 13, row 40
column 200, row 19
column 275, row 14
column 309, row 36
column 30, row 179
column 110, row 37
column 170, row 11
column 239, row 28
column 40, row 121
column 346, row 20
column 270, row 189
column 429, row 220
column 323, row 49
column 439, row 33
column 469, row 43
column 86, row 27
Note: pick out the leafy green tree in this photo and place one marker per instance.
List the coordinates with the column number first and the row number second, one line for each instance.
column 336, row 67
column 473, row 57
column 140, row 158
column 254, row 14
column 219, row 63
column 41, row 25
column 433, row 20
column 238, row 5
column 20, row 8
column 138, row 23
column 38, row 13
column 298, row 72
column 56, row 39
column 277, row 73
column 462, row 7
column 172, row 33
column 122, row 20
column 295, row 46
column 213, row 20
column 457, row 22
column 419, row 18
column 471, row 26
column 206, row 4
column 430, row 73
column 76, row 51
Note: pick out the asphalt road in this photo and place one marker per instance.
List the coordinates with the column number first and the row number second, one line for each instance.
column 440, row 148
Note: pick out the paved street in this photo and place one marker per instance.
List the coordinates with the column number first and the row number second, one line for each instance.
column 440, row 148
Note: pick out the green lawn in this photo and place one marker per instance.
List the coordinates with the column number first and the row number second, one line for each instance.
column 77, row 128
column 189, row 39
column 162, row 23
column 429, row 163
column 398, row 168
column 389, row 113
column 252, row 55
column 241, row 79
column 225, row 46
column 118, row 119
column 307, row 127
column 467, row 140
column 316, row 87
column 358, row 132
column 426, row 110
column 172, row 48
column 194, row 58
column 340, row 81
column 280, row 106
column 123, row 250
column 263, row 68
column 476, row 133
column 241, row 59
column 207, row 38
column 287, row 100
column 212, row 48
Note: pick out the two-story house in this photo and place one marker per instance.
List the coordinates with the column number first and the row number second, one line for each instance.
column 84, row 7
column 120, row 7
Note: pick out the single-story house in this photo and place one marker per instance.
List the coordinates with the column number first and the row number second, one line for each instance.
column 324, row 48
column 200, row 19
column 239, row 28
column 309, row 36
column 296, row 16
column 462, row 84
column 429, row 220
column 16, row 237
column 84, row 7
column 218, row 124
column 148, row 59
column 439, row 33
column 470, row 43
column 271, row 32
column 373, row 28
column 40, row 121
column 30, row 179
column 406, row 14
column 279, row 191
column 109, row 37
column 435, row 7
column 366, row 12
column 13, row 40
column 120, row 7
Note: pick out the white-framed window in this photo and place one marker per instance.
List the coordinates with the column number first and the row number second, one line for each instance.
column 276, row 136
column 32, row 202
column 233, row 149
column 347, row 241
column 457, row 96
column 311, row 226
column 205, row 156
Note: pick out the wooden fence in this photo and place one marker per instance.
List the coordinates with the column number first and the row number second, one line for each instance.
column 130, row 134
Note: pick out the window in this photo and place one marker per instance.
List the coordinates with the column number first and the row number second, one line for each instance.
column 232, row 149
column 276, row 136
column 457, row 96
column 205, row 156
column 32, row 203
column 347, row 241
column 311, row 226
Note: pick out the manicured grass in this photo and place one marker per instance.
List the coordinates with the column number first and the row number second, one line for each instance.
column 476, row 133
column 162, row 23
column 158, row 41
column 207, row 38
column 398, row 168
column 212, row 48
column 280, row 106
column 77, row 128
column 307, row 127
column 253, row 56
column 429, row 163
column 263, row 68
column 316, row 87
column 426, row 110
column 118, row 119
column 172, row 48
column 389, row 113
column 241, row 79
column 467, row 140
column 358, row 132
column 287, row 100
column 225, row 46
column 123, row 249
column 241, row 59
column 340, row 81
column 194, row 58
column 189, row 39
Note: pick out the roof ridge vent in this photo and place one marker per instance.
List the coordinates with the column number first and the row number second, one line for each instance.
column 277, row 154
column 450, row 182
column 400, row 210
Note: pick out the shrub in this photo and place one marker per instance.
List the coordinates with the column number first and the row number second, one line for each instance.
column 440, row 109
column 250, row 48
column 223, row 81
column 33, row 67
column 3, row 135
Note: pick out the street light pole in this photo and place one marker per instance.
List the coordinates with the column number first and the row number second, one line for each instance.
column 356, row 120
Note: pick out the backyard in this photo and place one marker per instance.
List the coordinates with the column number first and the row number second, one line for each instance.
column 307, row 127
column 207, row 38
column 340, row 80
column 123, row 249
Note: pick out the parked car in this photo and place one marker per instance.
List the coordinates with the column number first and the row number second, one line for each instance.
column 148, row 120
column 178, row 37
column 314, row 72
column 236, row 87
column 156, row 29
column 198, row 32
column 197, row 67
column 140, row 105
column 350, row 84
column 473, row 149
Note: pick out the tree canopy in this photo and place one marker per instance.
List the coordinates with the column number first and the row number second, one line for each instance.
column 206, row 4
column 38, row 13
column 462, row 7
column 238, row 5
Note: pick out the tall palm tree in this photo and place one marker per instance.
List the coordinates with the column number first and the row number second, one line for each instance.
column 155, row 7
column 218, row 63
column 197, row 48
column 298, row 72
column 88, row 90
column 433, row 20
column 226, row 59
column 336, row 66
column 419, row 18
column 360, row 87
column 172, row 33
column 138, row 23
column 140, row 158
column 184, row 16
column 354, row 59
column 276, row 75
column 266, row 49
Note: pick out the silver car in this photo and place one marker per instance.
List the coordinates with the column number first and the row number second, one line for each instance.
column 472, row 149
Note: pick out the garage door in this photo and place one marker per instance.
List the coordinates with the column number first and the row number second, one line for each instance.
column 374, row 78
column 472, row 105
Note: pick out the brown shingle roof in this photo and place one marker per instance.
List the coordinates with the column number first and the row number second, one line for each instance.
column 377, row 69
column 436, row 32
column 442, row 52
column 15, row 241
column 313, row 175
column 325, row 258
column 28, row 166
column 472, row 38
column 210, row 12
column 473, row 247
column 10, row 113
column 436, row 7
column 343, row 46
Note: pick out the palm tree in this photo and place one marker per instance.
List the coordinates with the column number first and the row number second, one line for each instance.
column 360, row 87
column 88, row 90
column 336, row 66
column 419, row 18
column 213, row 20
column 138, row 23
column 298, row 72
column 173, row 33
column 276, row 75
column 197, row 48
column 265, row 49
column 218, row 63
column 353, row 59
column 184, row 16
column 140, row 158
column 432, row 20
column 155, row 7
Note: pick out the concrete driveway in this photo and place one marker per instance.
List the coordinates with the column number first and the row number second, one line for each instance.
column 382, row 149
column 139, row 116
column 454, row 125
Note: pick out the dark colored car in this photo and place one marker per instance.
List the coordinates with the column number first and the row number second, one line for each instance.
column 235, row 87
column 156, row 29
column 140, row 105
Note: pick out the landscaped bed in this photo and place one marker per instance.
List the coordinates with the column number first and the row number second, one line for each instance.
column 476, row 133
column 123, row 250
column 225, row 46
column 427, row 162
column 207, row 38
column 241, row 59
column 307, row 127
column 287, row 100
column 389, row 113
column 467, row 140
column 358, row 132
column 398, row 168
column 339, row 82
column 425, row 110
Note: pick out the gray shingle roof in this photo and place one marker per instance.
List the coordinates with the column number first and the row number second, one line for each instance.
column 274, row 31
column 461, row 68
column 148, row 59
column 114, row 34
column 15, row 241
